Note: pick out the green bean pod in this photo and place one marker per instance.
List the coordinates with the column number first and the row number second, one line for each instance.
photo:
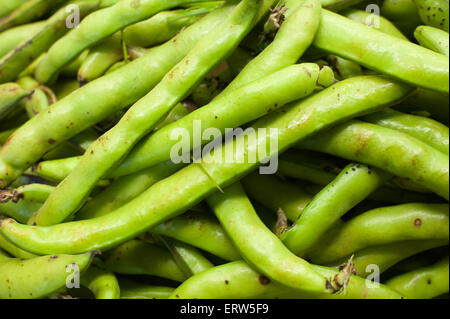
column 40, row 98
column 338, row 5
column 392, row 151
column 27, row 12
column 380, row 23
column 14, row 36
column 435, row 103
column 345, row 68
column 403, row 13
column 331, row 204
column 140, row 258
column 171, row 196
column 109, row 150
column 386, row 256
column 424, row 283
column 98, row 26
column 260, row 247
column 120, row 89
column 237, row 280
column 231, row 111
column 10, row 6
column 382, row 52
column 160, row 28
column 434, row 13
column 16, row 61
column 10, row 95
column 134, row 290
column 383, row 226
column 277, row 195
column 38, row 277
column 427, row 130
column 433, row 39
column 101, row 57
column 103, row 284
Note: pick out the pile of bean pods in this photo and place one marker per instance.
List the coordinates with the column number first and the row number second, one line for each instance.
column 333, row 185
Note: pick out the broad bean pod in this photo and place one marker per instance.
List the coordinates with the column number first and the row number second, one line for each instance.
column 14, row 250
column 102, row 283
column 427, row 130
column 434, row 13
column 403, row 13
column 386, row 256
column 40, row 98
column 28, row 11
column 120, row 89
column 433, row 39
column 435, row 103
column 345, row 68
column 38, row 277
column 424, row 283
column 14, row 36
column 109, row 150
column 171, row 197
column 382, row 52
column 237, row 280
column 97, row 26
column 353, row 185
column 10, row 95
column 383, row 226
column 134, row 290
column 16, row 61
column 10, row 6
column 260, row 247
column 392, row 151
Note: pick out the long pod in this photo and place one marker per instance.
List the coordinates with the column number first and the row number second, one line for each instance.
column 433, row 39
column 14, row 36
column 172, row 196
column 102, row 283
column 143, row 116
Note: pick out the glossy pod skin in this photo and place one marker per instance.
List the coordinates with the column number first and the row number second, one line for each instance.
column 16, row 61
column 244, row 105
column 293, row 38
column 10, row 95
column 110, row 149
column 102, row 283
column 12, row 37
column 96, row 27
column 433, row 39
column 28, row 11
column 383, row 226
column 260, row 247
column 171, row 196
column 134, row 290
column 386, row 256
column 38, row 277
column 140, row 258
column 355, row 183
column 427, row 130
column 396, row 152
column 277, row 195
column 14, row 250
column 424, row 283
column 75, row 113
column 382, row 52
column 237, row 280
column 434, row 13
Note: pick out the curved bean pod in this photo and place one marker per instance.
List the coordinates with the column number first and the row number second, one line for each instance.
column 38, row 277
column 14, row 250
column 354, row 184
column 424, row 283
column 122, row 88
column 386, row 256
column 383, row 226
column 427, row 130
column 14, row 36
column 172, row 196
column 140, row 258
column 237, row 280
column 260, row 247
column 434, row 13
column 392, row 56
column 109, row 150
column 96, row 27
column 134, row 290
column 12, row 64
column 10, row 95
column 433, row 39
column 102, row 283
column 395, row 152
column 276, row 194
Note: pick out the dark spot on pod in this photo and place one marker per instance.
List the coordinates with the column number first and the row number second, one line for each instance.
column 51, row 141
column 429, row 281
column 226, row 282
column 418, row 222
column 54, row 257
column 178, row 296
column 263, row 280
